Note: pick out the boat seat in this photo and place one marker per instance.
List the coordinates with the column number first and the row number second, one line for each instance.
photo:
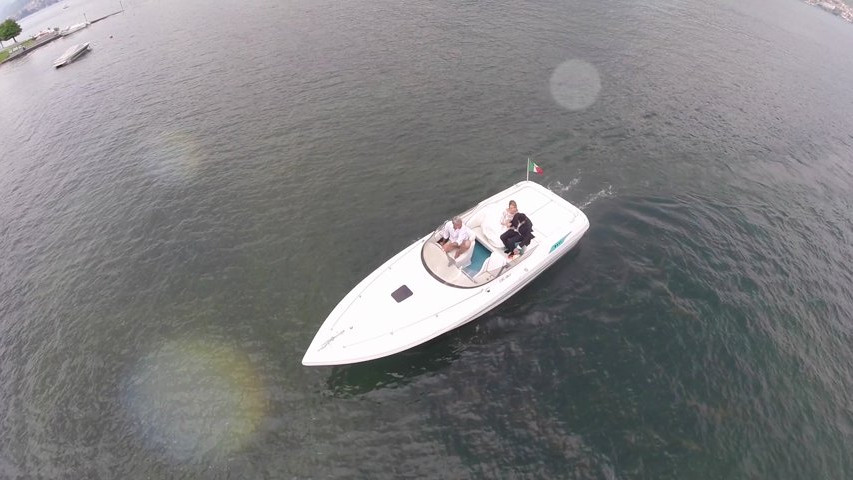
column 491, row 267
column 525, row 252
column 487, row 224
column 440, row 264
column 436, row 260
column 465, row 259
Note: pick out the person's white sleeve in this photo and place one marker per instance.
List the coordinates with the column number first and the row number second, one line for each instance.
column 469, row 235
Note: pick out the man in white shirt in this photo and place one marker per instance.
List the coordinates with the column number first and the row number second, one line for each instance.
column 457, row 236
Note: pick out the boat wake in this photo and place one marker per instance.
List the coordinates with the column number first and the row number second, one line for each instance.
column 559, row 187
column 604, row 193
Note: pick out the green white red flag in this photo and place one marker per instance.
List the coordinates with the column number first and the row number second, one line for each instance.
column 532, row 167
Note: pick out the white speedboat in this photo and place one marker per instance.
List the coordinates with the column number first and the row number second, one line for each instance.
column 423, row 292
column 71, row 54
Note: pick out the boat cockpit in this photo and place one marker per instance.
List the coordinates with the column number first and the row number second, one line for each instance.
column 484, row 261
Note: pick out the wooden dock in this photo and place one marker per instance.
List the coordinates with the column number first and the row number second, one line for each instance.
column 105, row 16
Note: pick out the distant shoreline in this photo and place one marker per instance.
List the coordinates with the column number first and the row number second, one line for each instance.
column 30, row 44
column 836, row 7
column 20, row 10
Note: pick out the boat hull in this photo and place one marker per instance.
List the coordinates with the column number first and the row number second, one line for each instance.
column 71, row 55
column 370, row 323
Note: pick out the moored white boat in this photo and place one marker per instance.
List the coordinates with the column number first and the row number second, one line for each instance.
column 422, row 292
column 71, row 54
column 73, row 28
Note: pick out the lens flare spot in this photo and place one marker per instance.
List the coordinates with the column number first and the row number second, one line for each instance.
column 174, row 155
column 192, row 399
column 575, row 84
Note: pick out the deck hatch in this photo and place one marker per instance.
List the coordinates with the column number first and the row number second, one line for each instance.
column 401, row 294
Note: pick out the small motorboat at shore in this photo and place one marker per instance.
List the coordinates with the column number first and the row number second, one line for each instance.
column 71, row 54
column 423, row 292
column 73, row 28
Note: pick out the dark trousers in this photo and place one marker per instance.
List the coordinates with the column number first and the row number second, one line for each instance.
column 510, row 238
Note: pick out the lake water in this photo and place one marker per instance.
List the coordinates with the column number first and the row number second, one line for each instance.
column 182, row 207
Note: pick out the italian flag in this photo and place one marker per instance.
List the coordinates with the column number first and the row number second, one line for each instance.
column 532, row 167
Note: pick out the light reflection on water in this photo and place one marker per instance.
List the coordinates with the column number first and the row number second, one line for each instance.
column 194, row 399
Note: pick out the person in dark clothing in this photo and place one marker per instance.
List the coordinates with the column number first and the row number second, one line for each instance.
column 520, row 233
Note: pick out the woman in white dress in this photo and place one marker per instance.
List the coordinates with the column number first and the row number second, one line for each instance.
column 506, row 216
